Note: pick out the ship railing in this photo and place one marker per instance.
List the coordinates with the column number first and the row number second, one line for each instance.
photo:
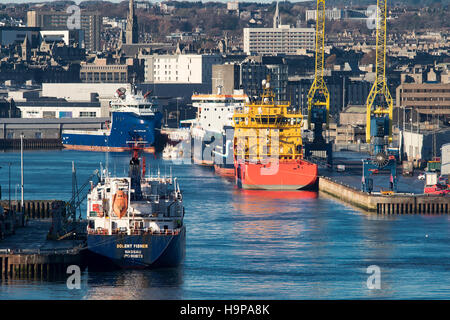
column 173, row 232
column 71, row 250
column 152, row 197
column 136, row 232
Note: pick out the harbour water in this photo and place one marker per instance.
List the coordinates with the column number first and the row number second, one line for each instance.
column 249, row 244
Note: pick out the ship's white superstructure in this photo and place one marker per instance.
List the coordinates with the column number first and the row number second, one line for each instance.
column 214, row 111
column 115, row 207
column 136, row 102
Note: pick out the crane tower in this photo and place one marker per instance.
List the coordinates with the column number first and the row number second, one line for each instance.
column 379, row 113
column 318, row 95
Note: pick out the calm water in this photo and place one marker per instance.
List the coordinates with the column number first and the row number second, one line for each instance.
column 250, row 244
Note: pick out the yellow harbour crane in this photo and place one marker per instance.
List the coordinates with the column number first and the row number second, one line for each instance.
column 318, row 95
column 379, row 102
column 379, row 113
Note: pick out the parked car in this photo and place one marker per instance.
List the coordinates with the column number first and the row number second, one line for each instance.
column 421, row 176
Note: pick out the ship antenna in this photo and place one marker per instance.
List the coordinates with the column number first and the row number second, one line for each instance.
column 101, row 171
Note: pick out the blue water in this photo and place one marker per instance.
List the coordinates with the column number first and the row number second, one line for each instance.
column 250, row 245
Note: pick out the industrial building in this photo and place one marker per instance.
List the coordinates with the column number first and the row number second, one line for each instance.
column 420, row 147
column 103, row 72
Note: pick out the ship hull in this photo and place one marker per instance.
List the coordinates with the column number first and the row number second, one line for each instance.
column 125, row 127
column 136, row 251
column 105, row 149
column 202, row 148
column 290, row 175
column 224, row 171
column 224, row 154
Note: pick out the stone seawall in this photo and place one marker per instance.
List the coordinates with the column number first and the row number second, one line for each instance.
column 386, row 204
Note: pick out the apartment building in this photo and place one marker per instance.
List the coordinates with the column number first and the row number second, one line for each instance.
column 280, row 39
column 179, row 68
column 90, row 23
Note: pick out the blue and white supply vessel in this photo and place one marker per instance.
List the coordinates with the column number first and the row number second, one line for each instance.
column 133, row 117
column 212, row 131
column 135, row 221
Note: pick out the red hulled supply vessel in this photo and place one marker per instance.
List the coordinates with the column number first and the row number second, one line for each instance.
column 268, row 146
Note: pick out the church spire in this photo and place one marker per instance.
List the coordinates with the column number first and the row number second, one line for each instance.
column 276, row 17
column 132, row 26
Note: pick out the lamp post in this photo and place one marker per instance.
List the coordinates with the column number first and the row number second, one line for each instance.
column 9, row 182
column 21, row 169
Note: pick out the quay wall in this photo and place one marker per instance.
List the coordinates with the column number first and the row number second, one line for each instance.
column 39, row 264
column 386, row 204
column 33, row 209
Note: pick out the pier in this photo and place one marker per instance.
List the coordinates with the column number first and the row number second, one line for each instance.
column 386, row 204
column 28, row 254
column 32, row 209
column 25, row 251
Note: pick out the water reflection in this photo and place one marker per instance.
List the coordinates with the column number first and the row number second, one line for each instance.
column 136, row 284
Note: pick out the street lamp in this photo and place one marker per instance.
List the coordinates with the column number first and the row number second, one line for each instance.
column 21, row 168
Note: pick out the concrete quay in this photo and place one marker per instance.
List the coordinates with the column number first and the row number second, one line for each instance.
column 32, row 209
column 386, row 204
column 28, row 254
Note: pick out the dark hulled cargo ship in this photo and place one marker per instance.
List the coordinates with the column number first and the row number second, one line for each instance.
column 135, row 221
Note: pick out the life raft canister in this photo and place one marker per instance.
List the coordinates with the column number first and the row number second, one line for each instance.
column 120, row 203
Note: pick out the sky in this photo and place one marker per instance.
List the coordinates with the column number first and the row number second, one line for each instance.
column 78, row 1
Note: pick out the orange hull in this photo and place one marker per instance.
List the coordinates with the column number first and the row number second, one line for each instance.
column 284, row 175
column 106, row 149
column 224, row 172
column 206, row 163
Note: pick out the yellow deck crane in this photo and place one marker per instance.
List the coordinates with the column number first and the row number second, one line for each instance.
column 318, row 95
column 379, row 113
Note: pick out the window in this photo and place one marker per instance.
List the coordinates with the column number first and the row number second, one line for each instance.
column 88, row 114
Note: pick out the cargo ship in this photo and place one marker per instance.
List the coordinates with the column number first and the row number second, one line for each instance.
column 134, row 116
column 135, row 221
column 268, row 151
column 212, row 130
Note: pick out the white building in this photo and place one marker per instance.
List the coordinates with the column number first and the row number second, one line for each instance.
column 82, row 91
column 445, row 159
column 233, row 5
column 67, row 36
column 179, row 68
column 280, row 39
column 58, row 108
column 334, row 14
column 67, row 100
